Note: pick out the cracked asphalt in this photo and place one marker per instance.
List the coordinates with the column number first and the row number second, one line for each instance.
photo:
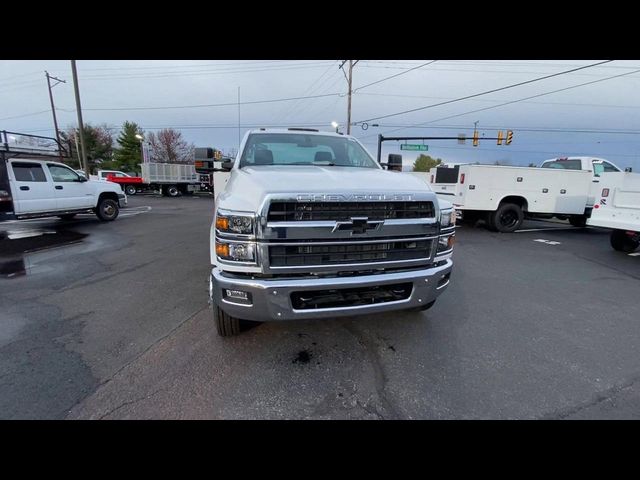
column 116, row 325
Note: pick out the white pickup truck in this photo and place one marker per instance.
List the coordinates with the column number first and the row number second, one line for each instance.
column 502, row 195
column 618, row 208
column 309, row 226
column 33, row 185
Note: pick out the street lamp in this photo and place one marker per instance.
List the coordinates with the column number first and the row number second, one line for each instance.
column 335, row 125
column 141, row 138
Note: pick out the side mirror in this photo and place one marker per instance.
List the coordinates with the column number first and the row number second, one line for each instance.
column 227, row 164
column 628, row 169
column 394, row 162
column 82, row 179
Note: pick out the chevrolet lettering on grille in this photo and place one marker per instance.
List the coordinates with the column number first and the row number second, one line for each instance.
column 356, row 197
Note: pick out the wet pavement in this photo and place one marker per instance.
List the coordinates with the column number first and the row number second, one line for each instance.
column 537, row 324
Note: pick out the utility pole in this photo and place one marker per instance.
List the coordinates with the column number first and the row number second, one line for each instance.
column 238, row 118
column 79, row 110
column 53, row 108
column 350, row 83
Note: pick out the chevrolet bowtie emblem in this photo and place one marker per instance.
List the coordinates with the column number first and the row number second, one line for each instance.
column 358, row 225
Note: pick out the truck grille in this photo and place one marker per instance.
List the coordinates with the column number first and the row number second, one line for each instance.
column 339, row 211
column 348, row 253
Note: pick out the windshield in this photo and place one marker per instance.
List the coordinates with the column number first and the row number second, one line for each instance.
column 301, row 149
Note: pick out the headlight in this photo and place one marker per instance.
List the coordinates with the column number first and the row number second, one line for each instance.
column 446, row 243
column 227, row 222
column 236, row 251
column 447, row 218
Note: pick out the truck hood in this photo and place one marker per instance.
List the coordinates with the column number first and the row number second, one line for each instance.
column 250, row 185
column 100, row 187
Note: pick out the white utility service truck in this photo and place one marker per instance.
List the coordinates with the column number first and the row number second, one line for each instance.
column 33, row 184
column 618, row 208
column 503, row 195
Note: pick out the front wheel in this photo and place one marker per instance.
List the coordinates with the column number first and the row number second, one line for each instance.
column 107, row 209
column 507, row 218
column 622, row 242
column 227, row 325
column 130, row 190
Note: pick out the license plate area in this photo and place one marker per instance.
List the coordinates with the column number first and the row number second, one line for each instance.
column 350, row 297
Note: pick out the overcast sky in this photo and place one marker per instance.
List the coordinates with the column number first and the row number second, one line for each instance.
column 601, row 119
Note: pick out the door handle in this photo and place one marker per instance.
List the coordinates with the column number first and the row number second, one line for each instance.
column 58, row 187
column 24, row 188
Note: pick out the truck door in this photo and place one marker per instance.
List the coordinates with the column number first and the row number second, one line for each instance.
column 32, row 192
column 71, row 192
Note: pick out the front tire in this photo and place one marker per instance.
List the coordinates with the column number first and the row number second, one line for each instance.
column 107, row 209
column 507, row 218
column 226, row 325
column 622, row 242
column 130, row 190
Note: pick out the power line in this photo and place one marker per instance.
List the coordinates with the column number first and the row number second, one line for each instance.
column 202, row 72
column 26, row 115
column 485, row 100
column 394, row 76
column 522, row 99
column 239, row 63
column 519, row 84
column 291, row 109
column 212, row 104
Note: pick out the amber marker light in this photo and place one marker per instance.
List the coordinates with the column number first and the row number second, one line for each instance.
column 222, row 223
column 222, row 249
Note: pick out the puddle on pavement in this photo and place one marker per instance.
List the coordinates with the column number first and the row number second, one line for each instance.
column 12, row 268
column 15, row 243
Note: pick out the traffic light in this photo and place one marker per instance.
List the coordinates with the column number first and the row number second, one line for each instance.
column 499, row 137
column 217, row 155
column 475, row 138
column 509, row 137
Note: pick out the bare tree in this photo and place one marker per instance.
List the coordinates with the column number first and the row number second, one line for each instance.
column 168, row 146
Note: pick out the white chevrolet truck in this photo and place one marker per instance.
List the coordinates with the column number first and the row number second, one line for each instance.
column 34, row 185
column 308, row 225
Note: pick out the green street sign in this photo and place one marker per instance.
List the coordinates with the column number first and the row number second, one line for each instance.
column 414, row 147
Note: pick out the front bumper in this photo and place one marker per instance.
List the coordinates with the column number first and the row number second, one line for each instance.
column 271, row 298
column 122, row 200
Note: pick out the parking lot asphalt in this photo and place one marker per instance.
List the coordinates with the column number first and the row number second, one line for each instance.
column 110, row 320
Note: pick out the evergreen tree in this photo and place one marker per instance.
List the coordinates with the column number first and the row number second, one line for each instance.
column 128, row 155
